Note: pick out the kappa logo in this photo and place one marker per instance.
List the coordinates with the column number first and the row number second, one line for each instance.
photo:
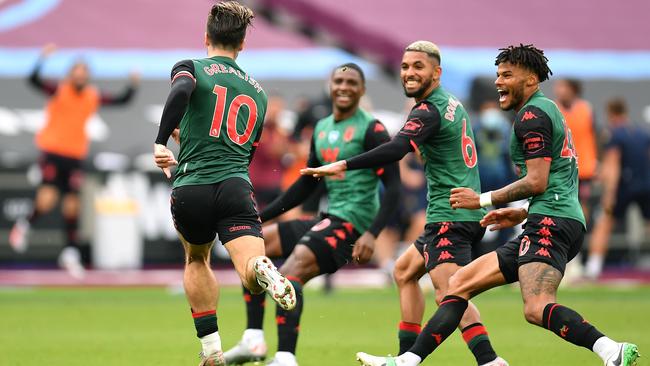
column 379, row 127
column 545, row 242
column 543, row 252
column 444, row 242
column 445, row 255
column 422, row 107
column 524, row 245
column 563, row 331
column 547, row 221
column 528, row 115
column 332, row 241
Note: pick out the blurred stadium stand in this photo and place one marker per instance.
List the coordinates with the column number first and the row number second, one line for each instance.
column 292, row 48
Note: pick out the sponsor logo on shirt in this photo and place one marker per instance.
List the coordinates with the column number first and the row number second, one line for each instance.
column 412, row 127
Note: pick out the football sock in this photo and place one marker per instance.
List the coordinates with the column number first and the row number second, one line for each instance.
column 440, row 326
column 476, row 337
column 205, row 322
column 408, row 333
column 210, row 343
column 605, row 348
column 289, row 321
column 570, row 326
column 71, row 231
column 408, row 359
column 254, row 309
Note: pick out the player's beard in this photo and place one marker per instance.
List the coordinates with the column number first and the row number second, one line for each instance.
column 426, row 83
column 516, row 97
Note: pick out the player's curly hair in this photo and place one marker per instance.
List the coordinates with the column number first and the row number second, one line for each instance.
column 527, row 56
column 227, row 23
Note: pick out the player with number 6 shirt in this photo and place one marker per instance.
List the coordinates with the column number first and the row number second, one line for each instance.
column 542, row 149
column 220, row 110
column 439, row 128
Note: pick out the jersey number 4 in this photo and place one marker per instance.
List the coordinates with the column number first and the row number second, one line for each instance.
column 468, row 148
column 568, row 150
column 233, row 113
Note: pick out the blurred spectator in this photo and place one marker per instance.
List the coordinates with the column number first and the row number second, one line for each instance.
column 266, row 169
column 492, row 131
column 64, row 145
column 625, row 176
column 578, row 116
column 492, row 135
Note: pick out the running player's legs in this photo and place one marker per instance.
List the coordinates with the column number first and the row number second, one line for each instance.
column 409, row 268
column 548, row 243
column 325, row 248
column 448, row 248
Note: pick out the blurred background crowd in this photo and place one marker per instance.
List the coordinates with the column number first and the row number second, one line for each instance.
column 601, row 83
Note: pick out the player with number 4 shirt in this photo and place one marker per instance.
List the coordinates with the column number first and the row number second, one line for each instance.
column 542, row 149
column 220, row 110
column 439, row 128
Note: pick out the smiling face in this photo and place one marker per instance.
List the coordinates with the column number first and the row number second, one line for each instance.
column 346, row 89
column 420, row 74
column 511, row 83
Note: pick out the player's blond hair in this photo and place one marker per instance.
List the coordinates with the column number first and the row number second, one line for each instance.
column 227, row 23
column 427, row 47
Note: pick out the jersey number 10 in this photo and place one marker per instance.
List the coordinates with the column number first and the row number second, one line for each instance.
column 233, row 113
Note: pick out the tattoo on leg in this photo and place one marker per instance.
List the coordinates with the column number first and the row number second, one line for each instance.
column 538, row 278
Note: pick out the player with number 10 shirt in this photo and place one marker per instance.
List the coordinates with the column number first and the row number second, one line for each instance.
column 220, row 110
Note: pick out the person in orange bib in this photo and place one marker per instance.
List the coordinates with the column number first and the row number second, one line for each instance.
column 64, row 145
column 579, row 117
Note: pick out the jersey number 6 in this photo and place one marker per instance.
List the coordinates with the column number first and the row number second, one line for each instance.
column 233, row 113
column 468, row 148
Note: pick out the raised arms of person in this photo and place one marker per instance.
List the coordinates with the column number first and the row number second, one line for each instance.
column 35, row 79
column 108, row 99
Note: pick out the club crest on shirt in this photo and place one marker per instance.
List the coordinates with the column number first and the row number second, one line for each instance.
column 333, row 136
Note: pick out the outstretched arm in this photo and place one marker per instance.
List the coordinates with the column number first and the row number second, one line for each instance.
column 296, row 194
column 107, row 99
column 423, row 122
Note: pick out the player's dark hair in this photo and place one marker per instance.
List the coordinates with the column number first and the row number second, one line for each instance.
column 227, row 23
column 527, row 56
column 353, row 66
column 616, row 107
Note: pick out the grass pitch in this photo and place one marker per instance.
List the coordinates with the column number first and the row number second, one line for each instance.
column 153, row 326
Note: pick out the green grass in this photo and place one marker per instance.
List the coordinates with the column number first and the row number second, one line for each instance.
column 153, row 327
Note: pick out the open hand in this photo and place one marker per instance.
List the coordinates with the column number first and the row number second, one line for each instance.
column 504, row 218
column 164, row 159
column 334, row 169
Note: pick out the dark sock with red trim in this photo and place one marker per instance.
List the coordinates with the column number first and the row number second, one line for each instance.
column 289, row 321
column 408, row 333
column 205, row 322
column 570, row 326
column 71, row 232
column 440, row 326
column 476, row 337
column 254, row 309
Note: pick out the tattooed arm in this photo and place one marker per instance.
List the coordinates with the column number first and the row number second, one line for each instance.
column 534, row 183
